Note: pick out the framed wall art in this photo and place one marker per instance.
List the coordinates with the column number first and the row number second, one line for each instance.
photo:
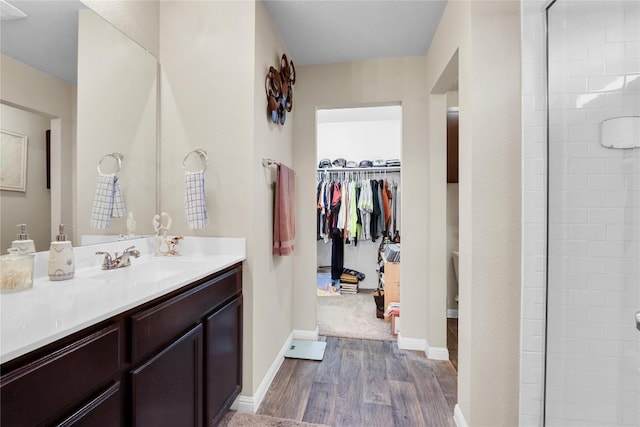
column 13, row 161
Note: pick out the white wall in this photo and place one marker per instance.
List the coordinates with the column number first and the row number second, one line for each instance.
column 364, row 133
column 34, row 206
column 364, row 140
column 274, row 286
column 477, row 34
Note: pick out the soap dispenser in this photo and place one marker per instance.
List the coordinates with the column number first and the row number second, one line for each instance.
column 61, row 261
column 23, row 244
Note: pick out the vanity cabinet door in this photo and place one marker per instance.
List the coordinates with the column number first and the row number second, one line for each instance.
column 223, row 359
column 166, row 390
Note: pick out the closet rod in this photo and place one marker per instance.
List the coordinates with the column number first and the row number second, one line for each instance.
column 372, row 169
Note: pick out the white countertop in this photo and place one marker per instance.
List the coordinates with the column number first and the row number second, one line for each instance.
column 52, row 310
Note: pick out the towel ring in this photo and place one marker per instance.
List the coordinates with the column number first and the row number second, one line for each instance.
column 202, row 153
column 116, row 155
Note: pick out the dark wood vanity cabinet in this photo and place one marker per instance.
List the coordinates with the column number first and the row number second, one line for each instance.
column 174, row 361
column 186, row 354
column 223, row 372
column 64, row 385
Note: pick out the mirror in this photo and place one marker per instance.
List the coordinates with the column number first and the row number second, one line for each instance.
column 97, row 96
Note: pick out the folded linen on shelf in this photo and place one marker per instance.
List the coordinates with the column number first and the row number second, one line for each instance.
column 392, row 252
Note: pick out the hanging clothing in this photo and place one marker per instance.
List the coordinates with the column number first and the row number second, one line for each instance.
column 358, row 215
column 365, row 207
column 319, row 211
column 386, row 197
column 381, row 223
column 337, row 254
column 342, row 213
column 362, row 209
column 375, row 217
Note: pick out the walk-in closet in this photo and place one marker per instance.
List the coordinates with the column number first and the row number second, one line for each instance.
column 359, row 195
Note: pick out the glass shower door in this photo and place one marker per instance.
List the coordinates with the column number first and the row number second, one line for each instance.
column 593, row 284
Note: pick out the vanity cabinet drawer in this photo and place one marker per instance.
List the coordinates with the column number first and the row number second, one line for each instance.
column 153, row 328
column 49, row 386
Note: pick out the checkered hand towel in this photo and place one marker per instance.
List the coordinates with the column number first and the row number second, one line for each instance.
column 194, row 202
column 108, row 202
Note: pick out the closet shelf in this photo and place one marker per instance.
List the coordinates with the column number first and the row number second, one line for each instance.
column 371, row 169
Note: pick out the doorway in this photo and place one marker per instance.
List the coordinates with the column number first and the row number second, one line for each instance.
column 358, row 156
column 444, row 186
column 452, row 226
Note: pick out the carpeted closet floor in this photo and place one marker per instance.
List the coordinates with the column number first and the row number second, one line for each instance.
column 352, row 316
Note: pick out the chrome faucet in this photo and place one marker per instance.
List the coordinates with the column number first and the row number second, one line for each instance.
column 121, row 261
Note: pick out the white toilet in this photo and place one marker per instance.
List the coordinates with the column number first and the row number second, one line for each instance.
column 455, row 266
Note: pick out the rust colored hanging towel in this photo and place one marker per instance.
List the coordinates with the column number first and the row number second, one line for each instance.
column 386, row 200
column 284, row 223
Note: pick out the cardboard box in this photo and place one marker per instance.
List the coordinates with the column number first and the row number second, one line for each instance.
column 391, row 282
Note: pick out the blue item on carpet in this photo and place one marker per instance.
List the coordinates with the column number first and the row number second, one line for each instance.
column 323, row 285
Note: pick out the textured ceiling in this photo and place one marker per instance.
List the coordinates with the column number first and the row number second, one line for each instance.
column 314, row 32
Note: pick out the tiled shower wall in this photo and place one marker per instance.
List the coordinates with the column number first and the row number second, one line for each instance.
column 593, row 346
column 594, row 216
column 533, row 212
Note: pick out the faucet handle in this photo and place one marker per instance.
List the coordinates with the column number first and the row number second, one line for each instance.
column 107, row 255
column 132, row 251
column 107, row 262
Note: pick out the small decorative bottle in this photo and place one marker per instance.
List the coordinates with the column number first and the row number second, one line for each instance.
column 61, row 260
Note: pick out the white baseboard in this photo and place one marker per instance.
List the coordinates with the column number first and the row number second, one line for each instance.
column 458, row 417
column 452, row 313
column 434, row 353
column 437, row 353
column 252, row 403
column 411, row 343
column 301, row 334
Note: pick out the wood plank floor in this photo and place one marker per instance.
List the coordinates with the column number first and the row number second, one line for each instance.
column 452, row 341
column 364, row 383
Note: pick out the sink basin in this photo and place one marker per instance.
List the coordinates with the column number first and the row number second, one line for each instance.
column 139, row 273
